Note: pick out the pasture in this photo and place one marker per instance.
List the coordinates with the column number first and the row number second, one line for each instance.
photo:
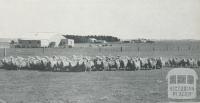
column 185, row 49
column 146, row 86
column 86, row 87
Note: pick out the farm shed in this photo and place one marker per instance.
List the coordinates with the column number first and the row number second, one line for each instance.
column 5, row 43
column 36, row 40
column 66, row 43
column 26, row 43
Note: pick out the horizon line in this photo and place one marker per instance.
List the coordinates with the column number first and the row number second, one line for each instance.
column 92, row 34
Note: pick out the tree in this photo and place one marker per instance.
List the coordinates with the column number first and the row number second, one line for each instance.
column 84, row 39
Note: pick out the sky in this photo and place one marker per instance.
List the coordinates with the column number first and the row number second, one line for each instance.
column 126, row 19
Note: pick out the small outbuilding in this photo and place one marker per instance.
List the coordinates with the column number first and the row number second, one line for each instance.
column 66, row 43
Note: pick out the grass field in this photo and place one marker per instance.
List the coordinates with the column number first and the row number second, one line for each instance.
column 94, row 87
column 160, row 48
column 86, row 87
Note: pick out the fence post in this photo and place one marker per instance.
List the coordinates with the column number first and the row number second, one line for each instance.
column 4, row 52
column 178, row 48
column 167, row 47
column 121, row 49
column 138, row 49
column 189, row 48
column 43, row 50
column 153, row 48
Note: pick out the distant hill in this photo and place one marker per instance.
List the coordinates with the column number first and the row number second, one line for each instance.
column 84, row 39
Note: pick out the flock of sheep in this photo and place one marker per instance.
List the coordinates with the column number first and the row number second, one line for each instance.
column 98, row 63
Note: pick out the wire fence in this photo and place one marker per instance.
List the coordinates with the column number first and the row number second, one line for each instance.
column 142, row 50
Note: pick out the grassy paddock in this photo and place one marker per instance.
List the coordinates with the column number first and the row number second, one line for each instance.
column 85, row 87
column 94, row 87
column 164, row 49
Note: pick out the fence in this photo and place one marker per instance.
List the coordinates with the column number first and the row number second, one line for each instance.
column 189, row 50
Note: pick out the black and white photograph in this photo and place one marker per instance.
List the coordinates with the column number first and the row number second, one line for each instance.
column 99, row 51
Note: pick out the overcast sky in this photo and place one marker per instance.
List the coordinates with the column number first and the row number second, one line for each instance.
column 156, row 19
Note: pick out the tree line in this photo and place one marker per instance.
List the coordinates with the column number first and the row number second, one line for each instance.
column 84, row 39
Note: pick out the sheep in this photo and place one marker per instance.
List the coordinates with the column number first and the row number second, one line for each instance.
column 192, row 62
column 72, row 65
column 137, row 64
column 98, row 63
column 152, row 63
column 66, row 65
column 111, row 65
column 144, row 63
column 123, row 63
column 198, row 63
column 105, row 65
column 176, row 62
column 131, row 65
column 88, row 65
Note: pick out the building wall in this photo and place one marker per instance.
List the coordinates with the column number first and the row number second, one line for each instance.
column 45, row 43
column 66, row 43
column 70, row 42
column 29, row 43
